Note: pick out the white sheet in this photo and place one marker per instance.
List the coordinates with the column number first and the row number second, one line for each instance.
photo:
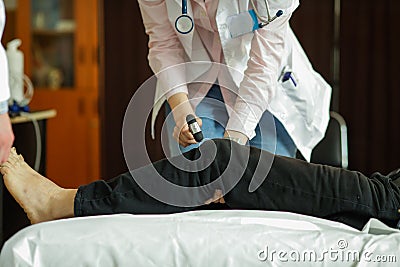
column 202, row 238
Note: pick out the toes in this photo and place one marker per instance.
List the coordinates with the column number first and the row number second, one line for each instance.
column 13, row 152
column 14, row 158
column 5, row 168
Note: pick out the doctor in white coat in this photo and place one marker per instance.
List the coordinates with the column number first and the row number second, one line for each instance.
column 256, row 87
column 6, row 134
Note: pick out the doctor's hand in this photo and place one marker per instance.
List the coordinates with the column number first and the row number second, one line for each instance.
column 182, row 133
column 238, row 137
column 181, row 107
column 6, row 137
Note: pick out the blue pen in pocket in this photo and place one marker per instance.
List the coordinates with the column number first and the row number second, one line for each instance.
column 289, row 76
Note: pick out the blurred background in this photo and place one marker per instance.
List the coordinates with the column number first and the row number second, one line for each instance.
column 87, row 58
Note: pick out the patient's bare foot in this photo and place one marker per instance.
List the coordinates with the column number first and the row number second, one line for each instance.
column 41, row 199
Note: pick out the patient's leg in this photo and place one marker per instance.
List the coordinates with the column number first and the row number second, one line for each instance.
column 41, row 199
column 290, row 185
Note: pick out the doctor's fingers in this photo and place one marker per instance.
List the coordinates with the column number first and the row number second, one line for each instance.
column 4, row 152
column 6, row 140
column 184, row 138
column 217, row 198
column 3, row 155
column 182, row 133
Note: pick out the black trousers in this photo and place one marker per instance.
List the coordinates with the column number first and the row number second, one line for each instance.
column 288, row 185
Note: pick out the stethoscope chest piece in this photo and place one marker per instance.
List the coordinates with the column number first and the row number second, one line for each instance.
column 184, row 24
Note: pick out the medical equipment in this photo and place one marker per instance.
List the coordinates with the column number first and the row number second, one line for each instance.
column 184, row 23
column 38, row 138
column 194, row 127
column 264, row 22
column 19, row 99
column 250, row 21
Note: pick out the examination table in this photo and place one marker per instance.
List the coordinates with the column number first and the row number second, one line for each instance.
column 202, row 238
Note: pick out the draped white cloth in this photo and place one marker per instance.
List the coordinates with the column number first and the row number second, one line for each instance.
column 202, row 238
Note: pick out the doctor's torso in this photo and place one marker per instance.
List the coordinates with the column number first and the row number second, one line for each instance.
column 304, row 112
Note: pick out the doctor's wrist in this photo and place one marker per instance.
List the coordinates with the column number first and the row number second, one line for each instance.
column 180, row 107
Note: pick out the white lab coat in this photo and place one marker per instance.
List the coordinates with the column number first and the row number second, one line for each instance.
column 304, row 110
column 4, row 87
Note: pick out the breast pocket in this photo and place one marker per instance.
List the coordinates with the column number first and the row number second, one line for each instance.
column 298, row 82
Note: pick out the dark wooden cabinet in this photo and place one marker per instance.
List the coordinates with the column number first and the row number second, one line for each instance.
column 61, row 48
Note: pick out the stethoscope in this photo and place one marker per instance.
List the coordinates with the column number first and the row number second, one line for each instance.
column 184, row 23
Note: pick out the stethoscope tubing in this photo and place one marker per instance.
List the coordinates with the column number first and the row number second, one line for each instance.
column 184, row 7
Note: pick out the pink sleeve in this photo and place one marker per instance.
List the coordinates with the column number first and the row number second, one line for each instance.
column 261, row 77
column 165, row 49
